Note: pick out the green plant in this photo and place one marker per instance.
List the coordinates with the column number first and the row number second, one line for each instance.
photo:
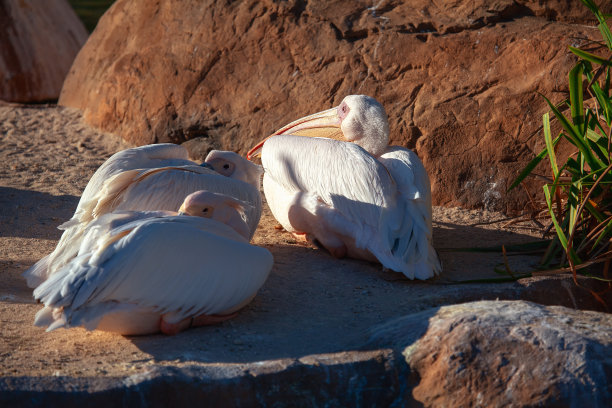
column 578, row 195
column 89, row 11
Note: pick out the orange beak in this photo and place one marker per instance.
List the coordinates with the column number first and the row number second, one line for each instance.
column 321, row 124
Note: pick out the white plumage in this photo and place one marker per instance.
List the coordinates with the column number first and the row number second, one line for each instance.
column 134, row 270
column 149, row 178
column 363, row 199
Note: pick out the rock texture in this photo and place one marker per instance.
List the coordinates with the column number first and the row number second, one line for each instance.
column 367, row 379
column 299, row 343
column 505, row 353
column 39, row 43
column 459, row 79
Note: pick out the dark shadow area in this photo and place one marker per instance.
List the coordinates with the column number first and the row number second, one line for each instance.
column 33, row 214
column 315, row 304
column 452, row 241
column 13, row 286
column 90, row 11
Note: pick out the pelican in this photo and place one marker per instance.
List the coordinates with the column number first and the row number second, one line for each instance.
column 347, row 189
column 141, row 272
column 148, row 178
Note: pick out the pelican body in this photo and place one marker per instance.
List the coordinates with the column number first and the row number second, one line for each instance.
column 150, row 178
column 139, row 272
column 332, row 177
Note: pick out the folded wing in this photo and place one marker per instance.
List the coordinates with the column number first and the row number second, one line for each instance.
column 181, row 265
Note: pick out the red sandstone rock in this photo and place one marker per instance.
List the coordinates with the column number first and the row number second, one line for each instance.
column 459, row 80
column 504, row 354
column 38, row 43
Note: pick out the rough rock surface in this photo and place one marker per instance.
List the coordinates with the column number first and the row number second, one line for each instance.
column 505, row 353
column 299, row 343
column 39, row 41
column 459, row 79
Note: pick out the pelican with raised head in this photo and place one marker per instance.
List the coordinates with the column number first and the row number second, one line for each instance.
column 333, row 177
column 150, row 178
column 138, row 272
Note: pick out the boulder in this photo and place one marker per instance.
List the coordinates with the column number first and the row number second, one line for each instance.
column 459, row 80
column 39, row 43
column 504, row 353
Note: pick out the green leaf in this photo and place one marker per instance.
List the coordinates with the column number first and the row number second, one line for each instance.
column 559, row 230
column 592, row 6
column 573, row 167
column 605, row 32
column 604, row 102
column 575, row 89
column 549, row 143
column 573, row 201
column 598, row 144
column 598, row 216
column 574, row 136
column 590, row 57
column 605, row 233
column 531, row 165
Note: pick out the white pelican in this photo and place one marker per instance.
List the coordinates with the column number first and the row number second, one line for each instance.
column 149, row 178
column 142, row 272
column 363, row 199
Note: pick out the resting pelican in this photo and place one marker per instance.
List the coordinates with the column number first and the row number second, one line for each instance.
column 148, row 178
column 363, row 199
column 142, row 272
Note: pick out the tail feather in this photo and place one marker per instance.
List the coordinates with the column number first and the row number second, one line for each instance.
column 411, row 251
column 37, row 273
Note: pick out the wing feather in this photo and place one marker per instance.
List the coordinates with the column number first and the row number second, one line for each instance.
column 414, row 239
column 384, row 204
column 342, row 175
column 173, row 264
column 166, row 188
column 143, row 157
column 150, row 156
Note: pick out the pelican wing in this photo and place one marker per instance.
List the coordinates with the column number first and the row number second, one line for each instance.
column 162, row 188
column 340, row 174
column 143, row 157
column 71, row 241
column 165, row 188
column 150, row 156
column 414, row 240
column 181, row 265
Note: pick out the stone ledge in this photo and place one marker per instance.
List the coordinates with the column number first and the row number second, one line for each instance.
column 355, row 378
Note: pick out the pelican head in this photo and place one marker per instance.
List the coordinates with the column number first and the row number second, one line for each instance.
column 219, row 207
column 359, row 119
column 233, row 165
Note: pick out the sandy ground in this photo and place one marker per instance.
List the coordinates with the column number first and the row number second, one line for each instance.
column 311, row 303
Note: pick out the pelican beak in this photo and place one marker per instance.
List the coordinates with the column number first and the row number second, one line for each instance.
column 181, row 210
column 321, row 124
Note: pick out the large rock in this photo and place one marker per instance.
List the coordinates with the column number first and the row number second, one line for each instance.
column 459, row 79
column 504, row 353
column 39, row 43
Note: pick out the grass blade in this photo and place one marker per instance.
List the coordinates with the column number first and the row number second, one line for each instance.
column 532, row 164
column 590, row 57
column 574, row 136
column 575, row 90
column 549, row 143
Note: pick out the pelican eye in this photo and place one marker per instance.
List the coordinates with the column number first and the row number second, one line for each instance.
column 344, row 110
column 226, row 166
column 205, row 210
